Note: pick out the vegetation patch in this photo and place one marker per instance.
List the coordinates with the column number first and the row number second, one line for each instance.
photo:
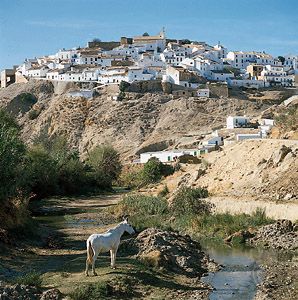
column 31, row 278
column 188, row 213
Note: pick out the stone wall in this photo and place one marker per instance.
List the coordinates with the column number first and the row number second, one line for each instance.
column 218, row 90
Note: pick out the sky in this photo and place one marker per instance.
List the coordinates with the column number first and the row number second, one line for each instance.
column 32, row 28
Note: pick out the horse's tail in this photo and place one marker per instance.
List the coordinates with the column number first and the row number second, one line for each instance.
column 90, row 252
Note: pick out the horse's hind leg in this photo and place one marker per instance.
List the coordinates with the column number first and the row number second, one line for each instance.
column 93, row 264
column 87, row 267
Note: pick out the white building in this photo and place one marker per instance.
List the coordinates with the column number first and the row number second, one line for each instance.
column 64, row 54
column 291, row 62
column 183, row 77
column 151, row 42
column 221, row 75
column 276, row 76
column 248, row 83
column 248, row 136
column 241, row 59
column 237, row 121
column 168, row 156
column 38, row 71
column 213, row 141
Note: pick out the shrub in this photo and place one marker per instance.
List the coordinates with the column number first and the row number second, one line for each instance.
column 189, row 201
column 104, row 162
column 94, row 291
column 33, row 114
column 164, row 191
column 12, row 151
column 144, row 205
column 123, row 86
column 118, row 288
column 154, row 170
column 41, row 172
column 31, row 278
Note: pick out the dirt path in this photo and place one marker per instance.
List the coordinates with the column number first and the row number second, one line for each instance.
column 65, row 224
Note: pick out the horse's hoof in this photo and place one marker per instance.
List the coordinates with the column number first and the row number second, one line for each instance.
column 95, row 274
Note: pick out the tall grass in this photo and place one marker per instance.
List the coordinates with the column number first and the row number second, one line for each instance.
column 188, row 213
column 32, row 278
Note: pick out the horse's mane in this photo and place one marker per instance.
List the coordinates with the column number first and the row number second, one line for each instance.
column 112, row 229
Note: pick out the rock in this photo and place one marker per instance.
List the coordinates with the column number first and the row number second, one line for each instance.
column 239, row 236
column 288, row 196
column 279, row 235
column 52, row 294
column 169, row 250
column 278, row 156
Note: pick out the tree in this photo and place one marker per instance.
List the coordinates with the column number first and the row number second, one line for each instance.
column 152, row 171
column 145, row 34
column 96, row 40
column 282, row 59
column 123, row 86
column 12, row 151
column 105, row 164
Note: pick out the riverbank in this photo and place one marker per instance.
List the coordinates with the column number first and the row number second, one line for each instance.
column 58, row 254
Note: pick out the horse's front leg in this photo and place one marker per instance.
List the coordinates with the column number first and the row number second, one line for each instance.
column 113, row 258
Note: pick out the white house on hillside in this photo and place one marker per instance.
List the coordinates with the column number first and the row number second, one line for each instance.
column 237, row 121
column 167, row 156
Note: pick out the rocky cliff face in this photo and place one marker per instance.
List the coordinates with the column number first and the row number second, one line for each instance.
column 149, row 121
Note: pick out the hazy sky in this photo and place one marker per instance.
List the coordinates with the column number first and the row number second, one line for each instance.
column 30, row 28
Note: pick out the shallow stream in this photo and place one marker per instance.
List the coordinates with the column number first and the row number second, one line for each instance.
column 241, row 271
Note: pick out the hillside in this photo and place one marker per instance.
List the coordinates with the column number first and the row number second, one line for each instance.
column 240, row 174
column 148, row 121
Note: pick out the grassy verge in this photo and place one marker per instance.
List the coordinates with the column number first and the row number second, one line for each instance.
column 188, row 213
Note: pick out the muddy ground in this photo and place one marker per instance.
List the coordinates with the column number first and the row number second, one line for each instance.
column 58, row 252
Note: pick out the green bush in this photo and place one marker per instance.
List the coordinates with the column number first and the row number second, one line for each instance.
column 223, row 225
column 154, row 170
column 104, row 161
column 95, row 291
column 189, row 201
column 33, row 114
column 144, row 205
column 31, row 278
column 123, row 86
column 41, row 172
column 12, row 151
column 164, row 191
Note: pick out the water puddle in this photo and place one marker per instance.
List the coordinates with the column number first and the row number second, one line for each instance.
column 241, row 272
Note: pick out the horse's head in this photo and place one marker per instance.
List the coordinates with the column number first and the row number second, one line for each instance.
column 127, row 227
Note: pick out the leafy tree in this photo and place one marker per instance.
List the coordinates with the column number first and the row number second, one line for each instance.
column 154, row 170
column 105, row 164
column 96, row 40
column 123, row 86
column 12, row 151
column 41, row 172
column 282, row 59
column 145, row 34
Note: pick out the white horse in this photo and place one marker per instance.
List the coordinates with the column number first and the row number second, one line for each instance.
column 108, row 241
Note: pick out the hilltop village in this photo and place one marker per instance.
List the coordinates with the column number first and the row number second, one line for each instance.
column 189, row 64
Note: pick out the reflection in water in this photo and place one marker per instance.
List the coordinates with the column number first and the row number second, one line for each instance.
column 241, row 273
